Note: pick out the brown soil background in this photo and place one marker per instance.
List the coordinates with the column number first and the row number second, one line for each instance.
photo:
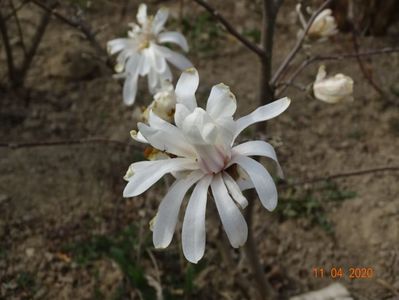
column 54, row 197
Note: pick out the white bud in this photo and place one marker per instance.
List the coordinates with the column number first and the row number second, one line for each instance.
column 332, row 89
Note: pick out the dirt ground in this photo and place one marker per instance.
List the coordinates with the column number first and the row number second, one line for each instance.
column 67, row 233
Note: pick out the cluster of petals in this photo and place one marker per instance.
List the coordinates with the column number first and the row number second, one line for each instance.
column 323, row 26
column 333, row 89
column 141, row 53
column 201, row 153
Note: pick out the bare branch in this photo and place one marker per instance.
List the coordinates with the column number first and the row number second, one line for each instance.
column 76, row 23
column 9, row 53
column 30, row 54
column 230, row 28
column 362, row 67
column 12, row 145
column 341, row 56
column 298, row 44
column 342, row 175
column 19, row 28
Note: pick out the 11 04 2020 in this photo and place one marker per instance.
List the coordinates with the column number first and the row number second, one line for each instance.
column 341, row 272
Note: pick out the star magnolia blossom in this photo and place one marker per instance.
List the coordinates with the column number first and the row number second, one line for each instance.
column 141, row 54
column 333, row 89
column 322, row 27
column 201, row 143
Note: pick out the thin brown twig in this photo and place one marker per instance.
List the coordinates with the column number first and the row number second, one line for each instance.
column 230, row 28
column 12, row 145
column 342, row 175
column 341, row 56
column 31, row 52
column 298, row 44
column 8, row 49
column 16, row 9
column 19, row 27
column 362, row 67
column 76, row 23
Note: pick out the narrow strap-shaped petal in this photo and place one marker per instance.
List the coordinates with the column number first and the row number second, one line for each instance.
column 117, row 45
column 142, row 14
column 153, row 81
column 233, row 222
column 261, row 179
column 146, row 63
column 262, row 113
column 166, row 137
column 181, row 114
column 221, row 102
column 234, row 190
column 159, row 20
column 143, row 178
column 176, row 59
column 172, row 134
column 186, row 87
column 168, row 211
column 130, row 89
column 258, row 148
column 158, row 62
column 193, row 233
column 173, row 37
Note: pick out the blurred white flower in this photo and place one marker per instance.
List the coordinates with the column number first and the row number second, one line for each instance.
column 202, row 154
column 332, row 89
column 322, row 27
column 163, row 105
column 141, row 53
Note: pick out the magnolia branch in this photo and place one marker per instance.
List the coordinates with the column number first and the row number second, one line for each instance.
column 12, row 145
column 230, row 28
column 76, row 23
column 343, row 174
column 341, row 56
column 298, row 44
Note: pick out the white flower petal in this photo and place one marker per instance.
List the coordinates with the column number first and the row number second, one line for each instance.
column 176, row 59
column 159, row 20
column 221, row 102
column 261, row 179
column 130, row 89
column 143, row 179
column 234, row 190
column 138, row 137
column 233, row 222
column 153, row 81
column 181, row 113
column 158, row 62
column 173, row 37
column 262, row 113
column 146, row 63
column 186, row 87
column 258, row 148
column 117, row 45
column 166, row 137
column 193, row 233
column 142, row 14
column 168, row 211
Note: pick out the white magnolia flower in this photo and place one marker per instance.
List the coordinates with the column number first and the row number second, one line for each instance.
column 164, row 103
column 322, row 27
column 333, row 89
column 141, row 53
column 202, row 146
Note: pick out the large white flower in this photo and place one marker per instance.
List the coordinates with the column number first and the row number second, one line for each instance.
column 202, row 146
column 141, row 53
column 333, row 89
column 323, row 26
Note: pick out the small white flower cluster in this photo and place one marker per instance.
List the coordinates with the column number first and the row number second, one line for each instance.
column 335, row 89
column 140, row 54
